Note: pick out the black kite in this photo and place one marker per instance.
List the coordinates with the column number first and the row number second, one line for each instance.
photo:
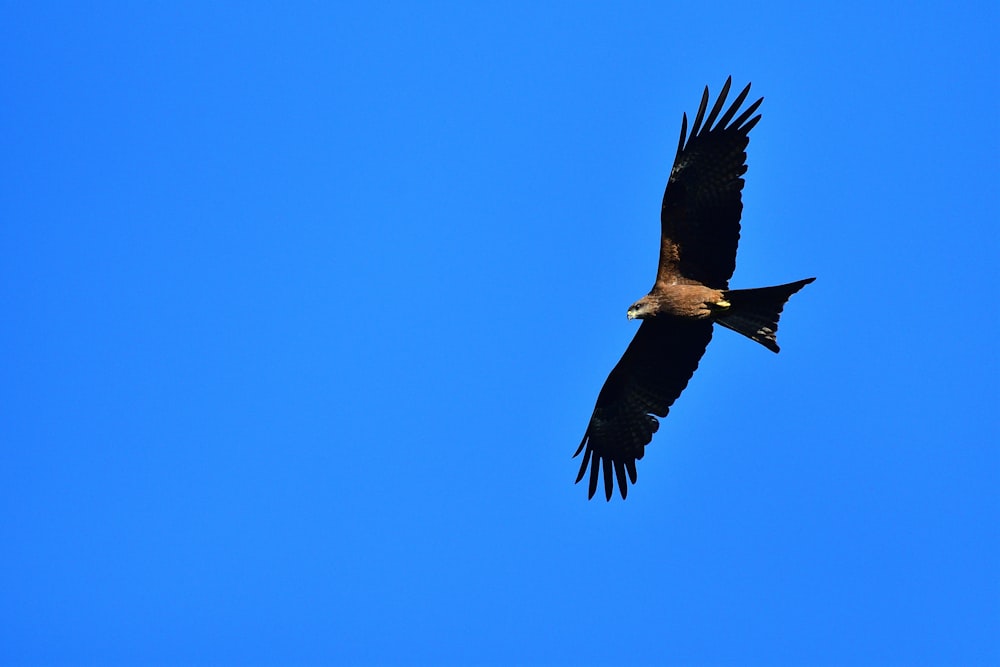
column 699, row 231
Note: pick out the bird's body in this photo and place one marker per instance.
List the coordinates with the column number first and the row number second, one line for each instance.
column 681, row 301
column 699, row 233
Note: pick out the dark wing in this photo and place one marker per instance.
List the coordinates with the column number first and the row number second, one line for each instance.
column 650, row 375
column 700, row 217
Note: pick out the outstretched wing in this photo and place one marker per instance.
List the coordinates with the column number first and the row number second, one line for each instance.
column 700, row 216
column 650, row 375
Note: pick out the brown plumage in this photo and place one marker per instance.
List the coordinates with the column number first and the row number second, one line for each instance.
column 699, row 232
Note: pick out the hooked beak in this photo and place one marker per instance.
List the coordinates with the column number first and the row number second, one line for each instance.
column 630, row 314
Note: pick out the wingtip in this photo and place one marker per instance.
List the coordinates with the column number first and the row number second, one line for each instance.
column 684, row 127
column 594, row 472
column 609, row 485
column 583, row 465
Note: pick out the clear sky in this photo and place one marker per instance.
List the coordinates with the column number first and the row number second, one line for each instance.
column 305, row 307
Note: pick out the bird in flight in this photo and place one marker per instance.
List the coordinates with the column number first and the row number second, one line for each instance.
column 699, row 232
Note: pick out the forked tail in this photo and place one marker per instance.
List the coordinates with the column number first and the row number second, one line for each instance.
column 755, row 312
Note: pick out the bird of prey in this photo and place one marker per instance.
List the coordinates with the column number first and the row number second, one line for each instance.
column 699, row 231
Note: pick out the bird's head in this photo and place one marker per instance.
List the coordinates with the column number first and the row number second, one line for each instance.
column 641, row 309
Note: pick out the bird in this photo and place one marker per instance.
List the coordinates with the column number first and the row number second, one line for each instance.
column 699, row 233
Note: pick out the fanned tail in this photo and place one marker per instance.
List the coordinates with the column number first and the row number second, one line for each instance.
column 755, row 312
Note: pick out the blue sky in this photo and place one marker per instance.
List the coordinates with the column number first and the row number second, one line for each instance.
column 305, row 309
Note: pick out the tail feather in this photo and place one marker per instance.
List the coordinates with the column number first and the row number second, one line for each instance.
column 755, row 312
